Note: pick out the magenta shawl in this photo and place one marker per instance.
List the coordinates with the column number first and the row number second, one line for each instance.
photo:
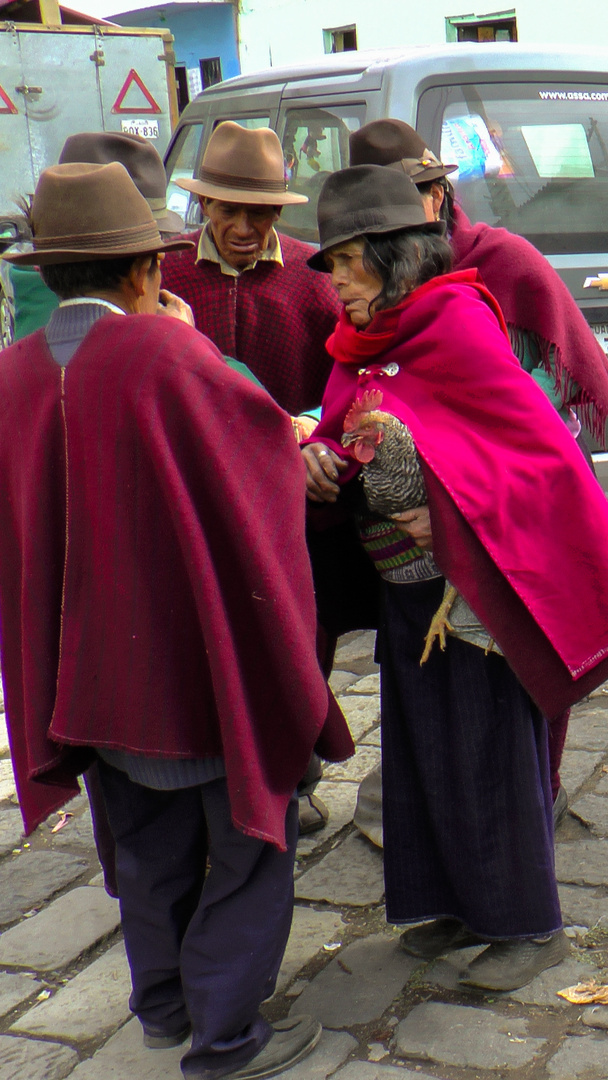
column 520, row 525
column 535, row 300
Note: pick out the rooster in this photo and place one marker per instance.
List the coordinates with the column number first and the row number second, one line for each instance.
column 392, row 482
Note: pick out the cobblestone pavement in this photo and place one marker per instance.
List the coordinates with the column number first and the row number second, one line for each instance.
column 64, row 982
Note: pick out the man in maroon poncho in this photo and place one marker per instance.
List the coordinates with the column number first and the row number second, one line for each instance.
column 253, row 293
column 158, row 616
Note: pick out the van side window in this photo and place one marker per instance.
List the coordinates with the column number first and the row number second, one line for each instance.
column 245, row 121
column 182, row 166
column 315, row 144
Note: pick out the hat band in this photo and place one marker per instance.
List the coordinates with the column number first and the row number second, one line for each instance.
column 128, row 240
column 245, row 183
column 159, row 203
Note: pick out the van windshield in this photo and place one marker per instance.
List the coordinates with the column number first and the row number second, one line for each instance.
column 531, row 157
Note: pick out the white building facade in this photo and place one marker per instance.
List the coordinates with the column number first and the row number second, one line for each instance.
column 277, row 32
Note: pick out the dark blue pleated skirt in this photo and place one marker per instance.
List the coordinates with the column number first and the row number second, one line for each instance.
column 468, row 826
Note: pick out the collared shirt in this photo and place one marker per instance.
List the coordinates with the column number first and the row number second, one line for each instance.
column 207, row 250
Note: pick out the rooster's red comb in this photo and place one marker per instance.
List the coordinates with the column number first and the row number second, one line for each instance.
column 370, row 399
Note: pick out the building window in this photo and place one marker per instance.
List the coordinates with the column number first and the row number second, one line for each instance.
column 181, row 79
column 211, row 71
column 340, row 39
column 497, row 26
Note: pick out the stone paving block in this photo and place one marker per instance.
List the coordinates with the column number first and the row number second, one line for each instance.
column 14, row 989
column 581, row 907
column 362, row 712
column 124, row 1057
column 4, row 746
column 77, row 833
column 366, row 758
column 341, row 680
column 356, row 646
column 369, row 1070
column 465, row 1036
column 349, row 874
column 31, row 878
column 543, row 989
column 596, row 1016
column 600, row 691
column 576, row 767
column 587, row 728
column 444, row 972
column 11, row 829
column 373, row 738
column 601, row 788
column 582, row 862
column 7, row 780
column 310, row 931
column 90, row 1006
column 22, row 1059
column 593, row 811
column 331, row 1051
column 61, row 932
column 369, row 684
column 359, row 984
column 341, row 799
column 583, row 1057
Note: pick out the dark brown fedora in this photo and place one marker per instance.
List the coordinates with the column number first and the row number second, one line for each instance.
column 243, row 165
column 141, row 160
column 367, row 199
column 392, row 142
column 83, row 212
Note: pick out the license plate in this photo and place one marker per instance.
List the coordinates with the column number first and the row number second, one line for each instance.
column 601, row 332
column 146, row 128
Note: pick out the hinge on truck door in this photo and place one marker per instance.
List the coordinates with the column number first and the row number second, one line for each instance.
column 98, row 57
column 168, row 57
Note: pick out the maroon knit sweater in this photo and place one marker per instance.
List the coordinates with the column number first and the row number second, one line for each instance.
column 275, row 319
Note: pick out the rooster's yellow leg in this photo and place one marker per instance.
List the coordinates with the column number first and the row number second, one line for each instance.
column 440, row 624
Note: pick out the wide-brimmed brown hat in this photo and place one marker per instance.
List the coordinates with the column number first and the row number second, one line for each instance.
column 83, row 212
column 367, row 199
column 243, row 165
column 393, row 142
column 141, row 160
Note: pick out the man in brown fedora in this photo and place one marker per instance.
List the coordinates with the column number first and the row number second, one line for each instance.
column 250, row 291
column 156, row 620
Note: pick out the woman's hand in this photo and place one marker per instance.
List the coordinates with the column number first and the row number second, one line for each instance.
column 170, row 304
column 323, row 468
column 417, row 525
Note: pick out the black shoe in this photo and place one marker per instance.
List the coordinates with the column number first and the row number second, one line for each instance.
column 291, row 1041
column 156, row 1039
column 313, row 814
column 434, row 938
column 508, row 965
column 560, row 806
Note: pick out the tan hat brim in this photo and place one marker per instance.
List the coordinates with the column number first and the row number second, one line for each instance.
column 241, row 195
column 52, row 256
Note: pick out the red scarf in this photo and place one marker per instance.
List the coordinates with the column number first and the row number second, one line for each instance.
column 519, row 522
column 535, row 300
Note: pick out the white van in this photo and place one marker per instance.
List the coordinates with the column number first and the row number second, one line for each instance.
column 528, row 130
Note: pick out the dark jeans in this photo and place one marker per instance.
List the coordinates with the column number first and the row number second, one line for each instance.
column 204, row 949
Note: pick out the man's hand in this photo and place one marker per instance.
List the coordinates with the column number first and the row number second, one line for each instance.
column 323, row 469
column 417, row 525
column 170, row 304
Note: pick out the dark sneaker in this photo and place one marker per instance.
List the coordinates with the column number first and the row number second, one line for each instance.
column 560, row 806
column 313, row 814
column 156, row 1039
column 508, row 965
column 292, row 1040
column 434, row 938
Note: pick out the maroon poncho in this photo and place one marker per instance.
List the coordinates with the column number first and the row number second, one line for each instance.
column 155, row 592
column 520, row 525
column 535, row 300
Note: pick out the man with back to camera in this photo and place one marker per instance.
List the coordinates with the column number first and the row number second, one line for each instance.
column 155, row 619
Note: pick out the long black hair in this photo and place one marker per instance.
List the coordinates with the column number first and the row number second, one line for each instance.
column 404, row 260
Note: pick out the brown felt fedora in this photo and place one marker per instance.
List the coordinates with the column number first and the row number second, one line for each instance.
column 243, row 165
column 141, row 160
column 84, row 212
column 392, row 142
column 367, row 199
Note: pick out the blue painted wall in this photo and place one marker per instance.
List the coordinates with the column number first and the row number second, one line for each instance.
column 200, row 31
